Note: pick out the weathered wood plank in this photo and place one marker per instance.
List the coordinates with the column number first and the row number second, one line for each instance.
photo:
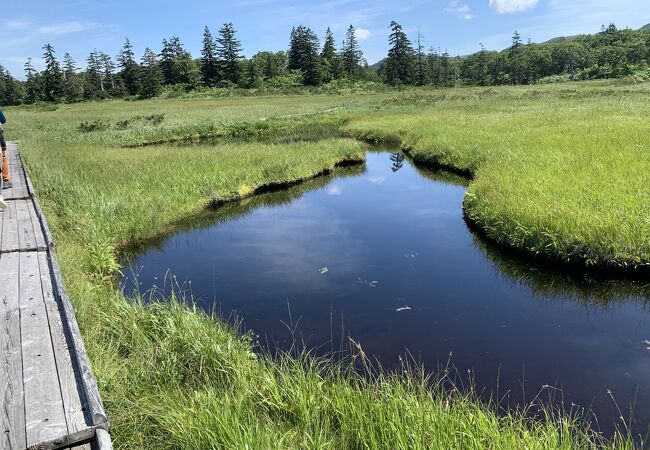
column 44, row 415
column 26, row 231
column 9, row 281
column 12, row 406
column 82, row 447
column 56, row 392
column 90, row 391
column 103, row 440
column 72, row 400
column 10, row 240
column 38, row 230
column 19, row 185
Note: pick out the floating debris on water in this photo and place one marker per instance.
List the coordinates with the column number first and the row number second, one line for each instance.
column 323, row 270
column 403, row 308
column 410, row 255
column 371, row 284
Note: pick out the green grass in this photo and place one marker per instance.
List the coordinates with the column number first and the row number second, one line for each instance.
column 558, row 172
column 554, row 169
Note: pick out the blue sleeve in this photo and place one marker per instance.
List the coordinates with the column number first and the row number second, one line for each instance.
column 3, row 119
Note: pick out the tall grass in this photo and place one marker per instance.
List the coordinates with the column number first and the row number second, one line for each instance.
column 559, row 165
column 561, row 173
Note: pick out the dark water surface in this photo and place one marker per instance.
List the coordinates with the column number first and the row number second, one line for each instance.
column 402, row 271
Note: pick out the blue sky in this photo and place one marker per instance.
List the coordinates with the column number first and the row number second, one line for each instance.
column 78, row 26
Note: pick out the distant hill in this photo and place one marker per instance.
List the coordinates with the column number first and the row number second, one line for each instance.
column 379, row 63
column 568, row 38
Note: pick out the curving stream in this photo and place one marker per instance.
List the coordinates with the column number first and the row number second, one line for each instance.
column 381, row 254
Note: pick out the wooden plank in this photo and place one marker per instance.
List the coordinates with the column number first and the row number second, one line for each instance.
column 84, row 436
column 38, row 230
column 9, row 281
column 72, row 400
column 12, row 406
column 69, row 354
column 82, row 364
column 90, row 389
column 10, row 241
column 49, row 240
column 44, row 415
column 103, row 440
column 26, row 232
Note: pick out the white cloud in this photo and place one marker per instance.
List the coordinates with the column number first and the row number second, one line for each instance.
column 362, row 34
column 66, row 27
column 335, row 190
column 462, row 11
column 512, row 6
column 17, row 24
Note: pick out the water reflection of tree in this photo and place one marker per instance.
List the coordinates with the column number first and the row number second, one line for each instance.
column 398, row 161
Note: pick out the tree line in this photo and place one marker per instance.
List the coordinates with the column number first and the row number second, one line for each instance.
column 610, row 53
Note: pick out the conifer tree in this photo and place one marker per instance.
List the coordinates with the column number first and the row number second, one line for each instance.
column 32, row 90
column 516, row 63
column 445, row 70
column 151, row 75
column 304, row 55
column 421, row 67
column 71, row 86
column 10, row 92
column 400, row 61
column 107, row 71
column 329, row 58
column 52, row 75
column 209, row 62
column 482, row 68
column 94, row 80
column 130, row 69
column 229, row 50
column 351, row 54
column 176, row 63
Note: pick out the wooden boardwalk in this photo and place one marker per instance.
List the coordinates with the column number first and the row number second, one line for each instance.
column 48, row 396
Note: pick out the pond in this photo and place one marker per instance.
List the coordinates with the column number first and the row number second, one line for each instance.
column 380, row 254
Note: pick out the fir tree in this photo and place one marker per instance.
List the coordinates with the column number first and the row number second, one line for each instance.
column 351, row 54
column 400, row 60
column 516, row 61
column 151, row 75
column 52, row 76
column 304, row 56
column 130, row 69
column 445, row 70
column 32, row 91
column 209, row 62
column 229, row 50
column 329, row 58
column 421, row 67
column 10, row 89
column 107, row 71
column 482, row 67
column 71, row 86
column 93, row 79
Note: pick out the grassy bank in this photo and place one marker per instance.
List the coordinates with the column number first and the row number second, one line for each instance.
column 557, row 172
column 172, row 377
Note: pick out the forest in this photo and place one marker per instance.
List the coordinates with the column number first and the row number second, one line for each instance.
column 308, row 65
